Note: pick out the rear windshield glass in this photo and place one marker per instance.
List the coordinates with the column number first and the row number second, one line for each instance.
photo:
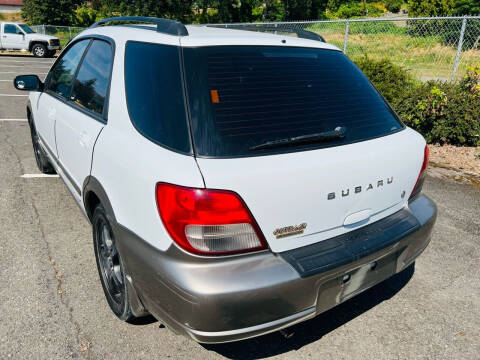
column 241, row 97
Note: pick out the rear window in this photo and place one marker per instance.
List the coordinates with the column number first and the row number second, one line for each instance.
column 241, row 97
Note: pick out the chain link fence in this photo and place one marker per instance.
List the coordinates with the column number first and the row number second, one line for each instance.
column 64, row 33
column 430, row 48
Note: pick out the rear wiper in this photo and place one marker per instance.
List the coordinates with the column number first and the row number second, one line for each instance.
column 338, row 133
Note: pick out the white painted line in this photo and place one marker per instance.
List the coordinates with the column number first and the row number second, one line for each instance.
column 16, row 72
column 30, row 176
column 22, row 66
column 27, row 61
column 11, row 80
column 12, row 95
column 22, row 120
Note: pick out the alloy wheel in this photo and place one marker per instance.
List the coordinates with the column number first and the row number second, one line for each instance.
column 109, row 261
column 39, row 51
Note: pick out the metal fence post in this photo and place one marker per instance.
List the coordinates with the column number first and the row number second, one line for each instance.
column 345, row 42
column 43, row 29
column 70, row 33
column 459, row 48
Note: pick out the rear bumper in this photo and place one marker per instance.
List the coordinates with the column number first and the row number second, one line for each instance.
column 228, row 299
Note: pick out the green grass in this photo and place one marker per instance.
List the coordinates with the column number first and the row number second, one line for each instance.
column 425, row 57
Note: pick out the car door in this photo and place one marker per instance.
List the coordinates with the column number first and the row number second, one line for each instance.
column 57, row 89
column 13, row 37
column 80, row 121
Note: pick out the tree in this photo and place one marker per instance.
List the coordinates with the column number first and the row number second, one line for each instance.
column 274, row 10
column 430, row 7
column 298, row 10
column 466, row 7
column 393, row 6
column 54, row 12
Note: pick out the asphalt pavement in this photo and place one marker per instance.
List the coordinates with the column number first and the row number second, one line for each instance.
column 53, row 305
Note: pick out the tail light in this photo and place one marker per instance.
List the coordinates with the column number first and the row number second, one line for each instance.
column 421, row 177
column 208, row 222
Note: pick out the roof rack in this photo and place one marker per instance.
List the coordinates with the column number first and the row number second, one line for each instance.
column 165, row 26
column 303, row 34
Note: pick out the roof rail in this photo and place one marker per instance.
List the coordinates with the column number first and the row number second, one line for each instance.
column 303, row 34
column 165, row 26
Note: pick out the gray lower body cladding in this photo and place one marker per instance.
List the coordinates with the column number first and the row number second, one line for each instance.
column 231, row 298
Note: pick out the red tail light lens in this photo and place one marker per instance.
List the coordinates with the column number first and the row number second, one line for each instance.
column 208, row 222
column 421, row 177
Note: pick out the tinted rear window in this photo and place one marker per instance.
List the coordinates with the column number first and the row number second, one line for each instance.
column 155, row 97
column 241, row 97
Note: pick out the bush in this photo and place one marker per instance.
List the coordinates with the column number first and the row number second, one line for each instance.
column 466, row 7
column 391, row 80
column 84, row 16
column 355, row 9
column 349, row 10
column 393, row 6
column 444, row 113
column 471, row 82
column 430, row 7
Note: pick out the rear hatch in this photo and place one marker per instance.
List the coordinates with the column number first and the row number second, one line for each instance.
column 302, row 136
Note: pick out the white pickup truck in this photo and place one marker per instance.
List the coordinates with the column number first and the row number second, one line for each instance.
column 17, row 36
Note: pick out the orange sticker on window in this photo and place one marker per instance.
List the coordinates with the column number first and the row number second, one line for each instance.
column 214, row 96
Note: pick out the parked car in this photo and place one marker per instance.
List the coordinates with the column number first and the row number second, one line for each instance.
column 18, row 36
column 236, row 182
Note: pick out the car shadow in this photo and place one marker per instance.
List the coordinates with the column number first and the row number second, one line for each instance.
column 314, row 329
column 145, row 320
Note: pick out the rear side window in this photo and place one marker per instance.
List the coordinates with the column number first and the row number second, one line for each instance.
column 244, row 96
column 93, row 78
column 155, row 97
column 61, row 76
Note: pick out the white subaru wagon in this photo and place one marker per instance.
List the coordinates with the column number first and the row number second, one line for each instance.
column 237, row 182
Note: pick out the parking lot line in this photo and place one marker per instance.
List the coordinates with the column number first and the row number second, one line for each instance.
column 33, row 65
column 30, row 176
column 23, row 64
column 16, row 72
column 20, row 120
column 12, row 95
column 27, row 61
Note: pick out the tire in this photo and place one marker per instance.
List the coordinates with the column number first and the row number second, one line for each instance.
column 41, row 157
column 39, row 50
column 110, row 266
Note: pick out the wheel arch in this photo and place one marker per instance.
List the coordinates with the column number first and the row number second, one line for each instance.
column 94, row 194
column 35, row 42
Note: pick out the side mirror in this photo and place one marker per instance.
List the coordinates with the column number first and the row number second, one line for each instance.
column 28, row 83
